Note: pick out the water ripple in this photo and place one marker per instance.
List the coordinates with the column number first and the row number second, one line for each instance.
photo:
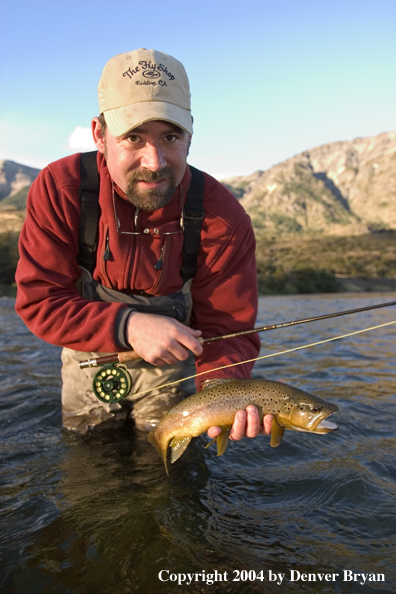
column 99, row 513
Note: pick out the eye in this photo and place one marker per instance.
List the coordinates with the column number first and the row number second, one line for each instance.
column 170, row 138
column 133, row 138
column 315, row 408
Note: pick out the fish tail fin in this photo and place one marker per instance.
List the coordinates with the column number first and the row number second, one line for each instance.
column 276, row 433
column 162, row 453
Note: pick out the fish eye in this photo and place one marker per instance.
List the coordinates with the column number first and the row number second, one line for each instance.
column 316, row 408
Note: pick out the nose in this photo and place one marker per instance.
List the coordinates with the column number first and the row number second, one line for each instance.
column 153, row 157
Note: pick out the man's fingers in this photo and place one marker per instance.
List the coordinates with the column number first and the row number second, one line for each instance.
column 246, row 424
column 253, row 426
column 190, row 341
column 170, row 356
column 214, row 431
column 161, row 340
column 239, row 425
column 267, row 423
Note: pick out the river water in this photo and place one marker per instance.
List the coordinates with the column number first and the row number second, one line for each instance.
column 99, row 515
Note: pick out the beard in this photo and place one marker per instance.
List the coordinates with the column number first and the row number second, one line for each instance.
column 151, row 199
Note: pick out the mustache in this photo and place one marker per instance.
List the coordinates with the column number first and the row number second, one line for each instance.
column 150, row 176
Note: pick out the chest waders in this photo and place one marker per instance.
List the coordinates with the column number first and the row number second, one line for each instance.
column 81, row 408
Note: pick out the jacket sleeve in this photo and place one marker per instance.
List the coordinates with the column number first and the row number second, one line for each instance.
column 47, row 297
column 225, row 293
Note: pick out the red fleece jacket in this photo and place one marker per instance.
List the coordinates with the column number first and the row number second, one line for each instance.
column 224, row 289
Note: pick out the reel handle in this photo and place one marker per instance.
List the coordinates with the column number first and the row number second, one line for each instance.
column 128, row 356
column 122, row 357
column 114, row 358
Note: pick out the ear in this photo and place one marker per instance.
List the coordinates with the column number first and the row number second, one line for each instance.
column 97, row 135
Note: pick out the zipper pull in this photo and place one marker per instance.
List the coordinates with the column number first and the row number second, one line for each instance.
column 135, row 218
column 106, row 255
column 158, row 264
column 179, row 313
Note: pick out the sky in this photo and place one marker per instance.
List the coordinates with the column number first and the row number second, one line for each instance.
column 269, row 79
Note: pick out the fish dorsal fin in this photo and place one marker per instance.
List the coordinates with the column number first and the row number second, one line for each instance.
column 210, row 383
column 178, row 446
column 276, row 434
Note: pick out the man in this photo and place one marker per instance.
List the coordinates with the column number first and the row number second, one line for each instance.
column 143, row 136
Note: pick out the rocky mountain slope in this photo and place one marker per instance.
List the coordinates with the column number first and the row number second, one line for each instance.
column 342, row 188
column 315, row 217
column 15, row 179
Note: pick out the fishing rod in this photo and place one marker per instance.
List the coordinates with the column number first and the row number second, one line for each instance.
column 125, row 356
column 294, row 349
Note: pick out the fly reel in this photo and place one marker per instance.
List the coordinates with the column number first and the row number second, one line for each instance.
column 112, row 383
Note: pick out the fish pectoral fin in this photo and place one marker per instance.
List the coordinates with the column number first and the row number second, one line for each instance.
column 222, row 440
column 277, row 432
column 178, row 446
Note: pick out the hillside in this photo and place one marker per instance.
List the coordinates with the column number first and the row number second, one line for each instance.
column 325, row 219
column 315, row 264
column 15, row 180
column 344, row 188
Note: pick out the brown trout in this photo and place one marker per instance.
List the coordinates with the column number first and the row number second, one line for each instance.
column 218, row 403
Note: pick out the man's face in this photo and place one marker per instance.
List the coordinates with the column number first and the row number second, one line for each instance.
column 148, row 163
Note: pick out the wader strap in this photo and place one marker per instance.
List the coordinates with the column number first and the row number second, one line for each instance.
column 193, row 217
column 90, row 211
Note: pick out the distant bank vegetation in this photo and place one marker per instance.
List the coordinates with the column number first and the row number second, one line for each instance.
column 298, row 264
column 8, row 257
column 303, row 264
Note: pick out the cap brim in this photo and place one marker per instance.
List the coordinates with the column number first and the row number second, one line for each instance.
column 123, row 119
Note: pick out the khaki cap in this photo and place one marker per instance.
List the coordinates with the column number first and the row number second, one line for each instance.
column 143, row 85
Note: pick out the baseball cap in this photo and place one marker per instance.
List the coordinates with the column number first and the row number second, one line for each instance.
column 143, row 85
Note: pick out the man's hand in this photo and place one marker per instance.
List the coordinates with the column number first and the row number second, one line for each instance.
column 246, row 424
column 161, row 340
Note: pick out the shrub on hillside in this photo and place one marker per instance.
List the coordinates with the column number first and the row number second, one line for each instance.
column 8, row 257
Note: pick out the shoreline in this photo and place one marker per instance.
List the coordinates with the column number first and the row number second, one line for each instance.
column 365, row 285
column 344, row 285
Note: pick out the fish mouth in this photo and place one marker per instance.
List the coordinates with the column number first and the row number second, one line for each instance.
column 325, row 426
